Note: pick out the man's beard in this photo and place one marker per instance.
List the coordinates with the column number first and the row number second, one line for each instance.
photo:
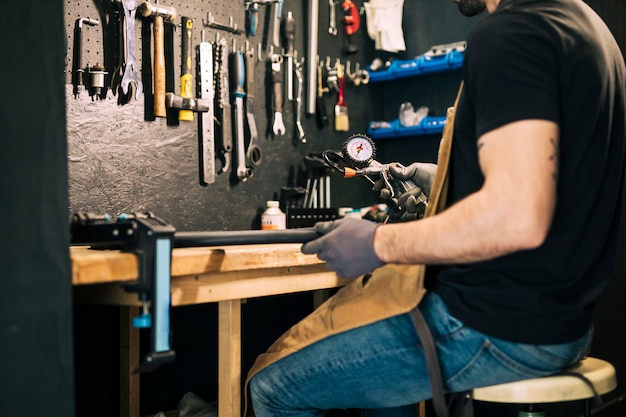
column 471, row 7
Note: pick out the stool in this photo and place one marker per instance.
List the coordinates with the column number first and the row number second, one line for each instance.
column 554, row 388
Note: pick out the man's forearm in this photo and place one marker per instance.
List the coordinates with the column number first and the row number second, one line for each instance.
column 477, row 228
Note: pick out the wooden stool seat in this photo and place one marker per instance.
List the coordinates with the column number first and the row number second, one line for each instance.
column 554, row 388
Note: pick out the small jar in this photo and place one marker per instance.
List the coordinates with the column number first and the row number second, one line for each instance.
column 273, row 218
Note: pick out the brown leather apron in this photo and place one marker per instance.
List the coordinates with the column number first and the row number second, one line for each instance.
column 389, row 291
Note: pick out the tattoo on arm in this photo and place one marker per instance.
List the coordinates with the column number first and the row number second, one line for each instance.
column 555, row 157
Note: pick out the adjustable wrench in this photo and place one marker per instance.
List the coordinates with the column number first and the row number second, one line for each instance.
column 279, row 126
column 243, row 172
column 131, row 74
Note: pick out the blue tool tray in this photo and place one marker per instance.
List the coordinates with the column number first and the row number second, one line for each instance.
column 427, row 126
column 423, row 64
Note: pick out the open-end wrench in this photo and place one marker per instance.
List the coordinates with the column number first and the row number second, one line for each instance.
column 253, row 153
column 131, row 73
column 299, row 97
column 243, row 172
column 278, row 126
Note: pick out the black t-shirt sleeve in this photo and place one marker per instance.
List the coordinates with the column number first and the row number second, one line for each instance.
column 511, row 74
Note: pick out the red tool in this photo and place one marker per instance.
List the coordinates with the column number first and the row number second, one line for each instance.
column 351, row 22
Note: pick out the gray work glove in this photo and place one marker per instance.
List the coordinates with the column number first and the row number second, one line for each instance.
column 347, row 246
column 421, row 173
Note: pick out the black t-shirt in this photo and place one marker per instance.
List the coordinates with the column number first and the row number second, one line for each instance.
column 552, row 60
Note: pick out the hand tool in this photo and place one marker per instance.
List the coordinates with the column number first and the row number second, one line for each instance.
column 313, row 25
column 290, row 35
column 95, row 82
column 332, row 20
column 276, row 17
column 118, row 73
column 253, row 153
column 322, row 115
column 331, row 74
column 173, row 101
column 299, row 93
column 342, row 122
column 160, row 14
column 239, row 74
column 131, row 78
column 224, row 103
column 357, row 158
column 253, row 17
column 278, row 126
column 186, row 75
column 77, row 64
column 206, row 124
column 351, row 21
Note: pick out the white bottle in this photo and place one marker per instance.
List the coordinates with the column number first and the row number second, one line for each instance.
column 273, row 218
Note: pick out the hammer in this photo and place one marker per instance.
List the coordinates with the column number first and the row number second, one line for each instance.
column 160, row 14
column 174, row 101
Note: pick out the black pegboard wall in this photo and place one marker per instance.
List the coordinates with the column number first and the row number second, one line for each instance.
column 122, row 158
column 100, row 42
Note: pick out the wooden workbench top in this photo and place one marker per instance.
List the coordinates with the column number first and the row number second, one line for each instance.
column 205, row 274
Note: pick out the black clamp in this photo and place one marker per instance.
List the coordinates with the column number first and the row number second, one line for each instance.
column 152, row 240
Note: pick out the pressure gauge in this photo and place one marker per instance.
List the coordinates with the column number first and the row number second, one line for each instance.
column 359, row 150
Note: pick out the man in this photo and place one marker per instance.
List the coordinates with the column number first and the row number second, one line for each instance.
column 527, row 243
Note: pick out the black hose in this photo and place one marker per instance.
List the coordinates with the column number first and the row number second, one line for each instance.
column 244, row 237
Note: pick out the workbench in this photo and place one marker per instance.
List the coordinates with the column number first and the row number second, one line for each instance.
column 225, row 275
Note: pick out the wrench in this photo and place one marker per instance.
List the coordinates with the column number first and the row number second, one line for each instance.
column 299, row 93
column 332, row 21
column 243, row 172
column 131, row 75
column 253, row 153
column 279, row 126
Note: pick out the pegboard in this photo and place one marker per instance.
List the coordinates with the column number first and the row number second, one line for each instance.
column 122, row 158
column 100, row 43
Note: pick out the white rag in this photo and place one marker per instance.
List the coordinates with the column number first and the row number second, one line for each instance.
column 384, row 24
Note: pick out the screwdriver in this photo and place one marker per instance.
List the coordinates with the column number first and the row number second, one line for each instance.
column 253, row 16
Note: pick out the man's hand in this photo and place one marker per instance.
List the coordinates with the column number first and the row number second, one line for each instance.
column 347, row 246
column 421, row 173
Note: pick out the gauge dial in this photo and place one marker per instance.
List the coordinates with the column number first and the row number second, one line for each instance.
column 359, row 150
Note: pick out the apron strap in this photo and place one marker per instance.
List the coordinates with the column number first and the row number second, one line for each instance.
column 436, row 203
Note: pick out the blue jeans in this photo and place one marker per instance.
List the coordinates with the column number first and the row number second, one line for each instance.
column 382, row 366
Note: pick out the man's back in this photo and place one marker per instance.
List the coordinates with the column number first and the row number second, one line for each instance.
column 552, row 60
